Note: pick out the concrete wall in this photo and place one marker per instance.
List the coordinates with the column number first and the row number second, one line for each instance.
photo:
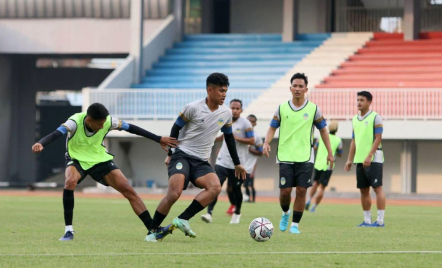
column 256, row 16
column 6, row 84
column 147, row 159
column 60, row 36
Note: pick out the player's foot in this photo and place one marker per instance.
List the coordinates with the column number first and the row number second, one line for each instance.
column 377, row 224
column 284, row 223
column 294, row 230
column 364, row 224
column 207, row 218
column 68, row 236
column 307, row 205
column 313, row 209
column 184, row 226
column 235, row 219
column 231, row 210
column 150, row 237
column 162, row 232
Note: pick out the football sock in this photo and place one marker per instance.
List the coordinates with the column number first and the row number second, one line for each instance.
column 68, row 206
column 297, row 216
column 158, row 218
column 367, row 216
column 212, row 206
column 146, row 219
column 238, row 199
column 381, row 216
column 68, row 228
column 285, row 209
column 190, row 211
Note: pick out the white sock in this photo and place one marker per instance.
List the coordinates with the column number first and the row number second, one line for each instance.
column 295, row 224
column 308, row 200
column 380, row 219
column 367, row 217
column 314, row 206
column 68, row 228
column 286, row 213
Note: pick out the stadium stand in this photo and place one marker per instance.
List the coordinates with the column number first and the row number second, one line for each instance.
column 394, row 63
column 252, row 61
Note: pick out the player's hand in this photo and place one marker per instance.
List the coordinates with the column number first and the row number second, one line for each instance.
column 168, row 142
column 167, row 161
column 266, row 149
column 348, row 165
column 37, row 148
column 240, row 172
column 367, row 161
column 330, row 161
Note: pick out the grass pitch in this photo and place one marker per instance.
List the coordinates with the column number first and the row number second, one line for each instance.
column 109, row 234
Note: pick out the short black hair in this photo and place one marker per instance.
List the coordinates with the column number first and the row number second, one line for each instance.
column 237, row 100
column 253, row 116
column 97, row 111
column 299, row 76
column 217, row 79
column 366, row 94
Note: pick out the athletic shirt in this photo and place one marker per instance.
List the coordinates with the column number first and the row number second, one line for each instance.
column 378, row 129
column 242, row 128
column 200, row 128
column 253, row 158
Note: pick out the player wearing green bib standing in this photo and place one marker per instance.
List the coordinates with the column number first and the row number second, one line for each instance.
column 366, row 152
column 296, row 120
column 86, row 155
column 322, row 171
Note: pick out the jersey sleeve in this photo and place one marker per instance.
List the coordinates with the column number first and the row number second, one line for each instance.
column 186, row 115
column 248, row 129
column 70, row 126
column 227, row 128
column 276, row 120
column 319, row 119
column 378, row 125
column 118, row 124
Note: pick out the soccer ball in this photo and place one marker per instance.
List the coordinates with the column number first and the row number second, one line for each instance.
column 261, row 229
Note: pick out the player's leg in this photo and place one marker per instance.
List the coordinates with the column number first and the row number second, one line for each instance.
column 364, row 187
column 322, row 182
column 246, row 187
column 236, row 183
column 313, row 188
column 302, row 174
column 231, row 196
column 221, row 173
column 73, row 174
column 212, row 187
column 376, row 183
column 286, row 182
column 252, row 186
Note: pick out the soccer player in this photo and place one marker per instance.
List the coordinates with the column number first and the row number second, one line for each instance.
column 296, row 119
column 255, row 151
column 224, row 166
column 86, row 155
column 366, row 152
column 322, row 171
column 197, row 126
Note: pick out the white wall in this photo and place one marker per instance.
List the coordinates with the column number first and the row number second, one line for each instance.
column 256, row 16
column 68, row 35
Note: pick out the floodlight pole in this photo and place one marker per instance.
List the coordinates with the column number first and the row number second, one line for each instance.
column 290, row 20
column 136, row 38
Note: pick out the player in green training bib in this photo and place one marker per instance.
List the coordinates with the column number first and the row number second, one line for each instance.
column 322, row 171
column 296, row 120
column 86, row 155
column 367, row 153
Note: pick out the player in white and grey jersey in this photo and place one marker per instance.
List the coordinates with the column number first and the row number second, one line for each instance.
column 254, row 152
column 224, row 167
column 196, row 128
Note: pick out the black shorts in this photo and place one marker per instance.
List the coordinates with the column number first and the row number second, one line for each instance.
column 191, row 167
column 249, row 181
column 296, row 174
column 229, row 174
column 97, row 172
column 323, row 176
column 371, row 176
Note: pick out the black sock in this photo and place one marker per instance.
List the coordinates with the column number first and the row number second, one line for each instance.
column 158, row 218
column 253, row 193
column 68, row 206
column 248, row 193
column 146, row 219
column 212, row 206
column 231, row 195
column 285, row 208
column 238, row 199
column 297, row 216
column 191, row 210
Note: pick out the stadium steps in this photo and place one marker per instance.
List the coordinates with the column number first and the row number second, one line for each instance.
column 252, row 61
column 317, row 65
column 393, row 62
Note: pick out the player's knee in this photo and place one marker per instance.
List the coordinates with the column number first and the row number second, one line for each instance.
column 70, row 183
column 127, row 191
column 301, row 191
column 285, row 193
column 378, row 190
column 174, row 195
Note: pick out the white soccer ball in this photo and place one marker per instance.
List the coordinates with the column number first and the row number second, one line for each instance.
column 261, row 229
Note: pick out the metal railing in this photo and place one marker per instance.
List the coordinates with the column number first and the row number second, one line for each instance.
column 154, row 103
column 102, row 9
column 394, row 104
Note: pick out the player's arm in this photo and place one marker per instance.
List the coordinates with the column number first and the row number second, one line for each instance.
column 340, row 150
column 315, row 147
column 326, row 139
column 39, row 145
column 164, row 141
column 351, row 154
column 274, row 125
column 180, row 122
column 258, row 151
column 377, row 141
column 220, row 138
column 249, row 139
column 240, row 171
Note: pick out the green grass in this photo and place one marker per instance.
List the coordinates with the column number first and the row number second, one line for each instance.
column 33, row 225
